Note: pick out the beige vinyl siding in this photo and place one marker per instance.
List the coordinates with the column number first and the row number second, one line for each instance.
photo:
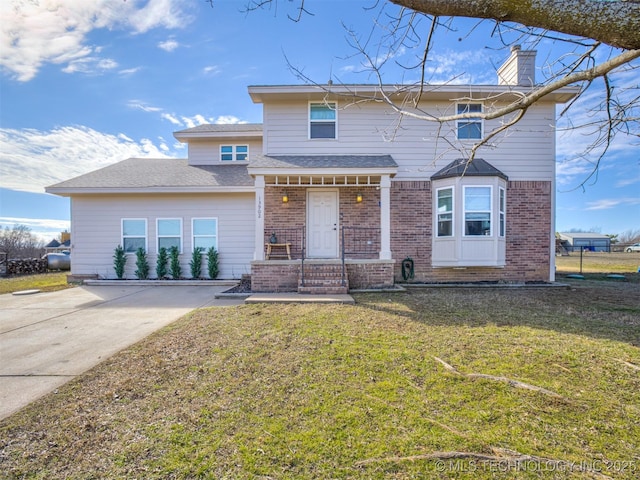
column 526, row 152
column 207, row 152
column 96, row 229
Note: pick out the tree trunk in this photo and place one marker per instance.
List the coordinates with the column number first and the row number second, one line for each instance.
column 616, row 23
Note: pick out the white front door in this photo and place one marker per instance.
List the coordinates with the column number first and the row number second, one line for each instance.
column 322, row 223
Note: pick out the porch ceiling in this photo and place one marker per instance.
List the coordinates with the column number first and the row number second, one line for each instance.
column 320, row 170
column 320, row 180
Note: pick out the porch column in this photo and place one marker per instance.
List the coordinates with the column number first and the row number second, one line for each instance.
column 385, row 217
column 258, row 253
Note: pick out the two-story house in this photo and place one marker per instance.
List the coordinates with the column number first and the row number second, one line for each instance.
column 336, row 187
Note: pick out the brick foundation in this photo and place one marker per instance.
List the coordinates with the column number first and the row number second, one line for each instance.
column 374, row 274
column 282, row 276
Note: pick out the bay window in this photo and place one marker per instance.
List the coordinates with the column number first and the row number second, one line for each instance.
column 477, row 210
column 469, row 215
column 445, row 212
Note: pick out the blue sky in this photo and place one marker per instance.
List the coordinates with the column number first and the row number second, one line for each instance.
column 87, row 84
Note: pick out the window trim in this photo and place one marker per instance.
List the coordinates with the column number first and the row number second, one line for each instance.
column 194, row 236
column 465, row 210
column 451, row 212
column 502, row 212
column 122, row 235
column 335, row 120
column 234, row 152
column 472, row 120
column 158, row 236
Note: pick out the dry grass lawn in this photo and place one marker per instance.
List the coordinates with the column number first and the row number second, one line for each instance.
column 546, row 385
column 47, row 282
column 599, row 262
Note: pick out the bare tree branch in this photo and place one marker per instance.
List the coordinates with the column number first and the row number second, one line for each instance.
column 616, row 23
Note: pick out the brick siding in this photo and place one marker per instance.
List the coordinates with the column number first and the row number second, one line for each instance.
column 528, row 235
column 528, row 224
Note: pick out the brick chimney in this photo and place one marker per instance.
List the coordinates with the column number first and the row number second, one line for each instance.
column 519, row 69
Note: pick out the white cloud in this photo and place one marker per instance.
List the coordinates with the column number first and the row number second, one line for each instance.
column 45, row 229
column 143, row 106
column 90, row 65
column 171, row 118
column 32, row 159
column 168, row 45
column 129, row 71
column 609, row 203
column 182, row 120
column 212, row 70
column 227, row 119
column 55, row 31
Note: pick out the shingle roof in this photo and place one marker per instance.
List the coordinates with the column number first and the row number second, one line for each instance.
column 324, row 161
column 140, row 174
column 461, row 167
column 52, row 244
column 222, row 128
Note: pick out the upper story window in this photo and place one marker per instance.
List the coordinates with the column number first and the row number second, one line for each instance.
column 469, row 128
column 230, row 153
column 170, row 233
column 322, row 120
column 445, row 212
column 477, row 210
column 134, row 234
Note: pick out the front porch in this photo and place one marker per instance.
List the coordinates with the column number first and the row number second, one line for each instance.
column 287, row 268
column 322, row 223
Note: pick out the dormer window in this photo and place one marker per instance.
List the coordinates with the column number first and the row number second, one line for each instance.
column 469, row 128
column 322, row 120
column 230, row 153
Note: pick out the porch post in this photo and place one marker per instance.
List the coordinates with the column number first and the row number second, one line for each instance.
column 258, row 253
column 385, row 217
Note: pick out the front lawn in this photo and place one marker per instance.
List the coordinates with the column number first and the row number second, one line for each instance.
column 432, row 383
column 47, row 282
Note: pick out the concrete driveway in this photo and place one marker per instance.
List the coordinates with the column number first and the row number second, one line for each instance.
column 47, row 339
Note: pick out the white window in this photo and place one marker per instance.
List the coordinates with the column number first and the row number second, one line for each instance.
column 469, row 222
column 134, row 234
column 445, row 212
column 502, row 210
column 322, row 120
column 205, row 233
column 169, row 233
column 231, row 153
column 469, row 128
column 477, row 211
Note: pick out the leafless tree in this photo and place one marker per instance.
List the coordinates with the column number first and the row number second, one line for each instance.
column 19, row 242
column 600, row 42
column 629, row 237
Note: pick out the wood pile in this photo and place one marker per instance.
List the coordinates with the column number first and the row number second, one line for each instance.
column 26, row 266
